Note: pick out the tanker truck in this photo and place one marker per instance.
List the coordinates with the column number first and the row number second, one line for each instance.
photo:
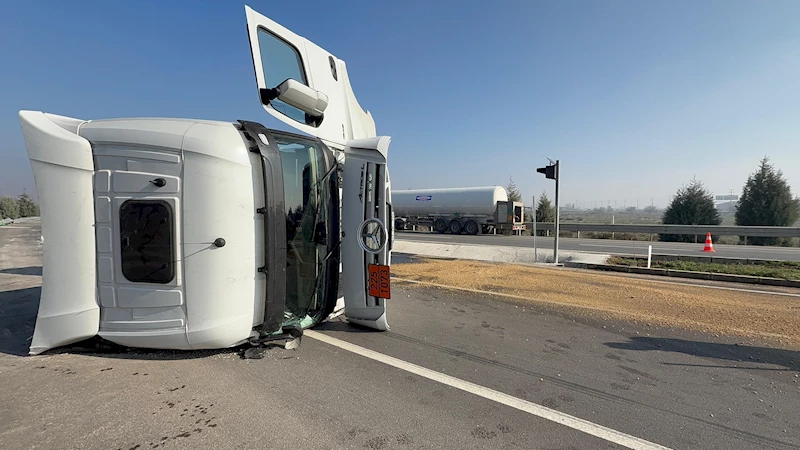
column 470, row 210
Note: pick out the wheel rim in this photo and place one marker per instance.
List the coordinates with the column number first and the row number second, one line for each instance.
column 455, row 227
column 471, row 227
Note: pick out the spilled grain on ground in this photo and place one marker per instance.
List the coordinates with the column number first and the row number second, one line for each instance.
column 766, row 316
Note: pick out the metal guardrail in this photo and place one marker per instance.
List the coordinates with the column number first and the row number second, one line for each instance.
column 689, row 274
column 715, row 230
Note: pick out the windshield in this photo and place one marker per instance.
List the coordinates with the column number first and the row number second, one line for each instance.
column 307, row 195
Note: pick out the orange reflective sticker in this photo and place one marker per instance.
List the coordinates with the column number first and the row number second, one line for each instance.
column 379, row 281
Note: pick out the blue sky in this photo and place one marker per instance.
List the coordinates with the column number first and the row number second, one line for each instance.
column 634, row 97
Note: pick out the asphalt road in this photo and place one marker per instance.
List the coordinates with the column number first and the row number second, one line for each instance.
column 670, row 388
column 606, row 246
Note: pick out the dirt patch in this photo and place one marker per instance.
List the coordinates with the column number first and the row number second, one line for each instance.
column 771, row 317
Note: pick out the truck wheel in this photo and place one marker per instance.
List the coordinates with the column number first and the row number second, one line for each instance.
column 471, row 227
column 455, row 227
column 440, row 225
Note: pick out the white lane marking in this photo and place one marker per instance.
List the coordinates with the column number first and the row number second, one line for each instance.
column 639, row 247
column 478, row 244
column 552, row 415
column 425, row 241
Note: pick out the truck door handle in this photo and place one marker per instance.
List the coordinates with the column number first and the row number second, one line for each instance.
column 159, row 182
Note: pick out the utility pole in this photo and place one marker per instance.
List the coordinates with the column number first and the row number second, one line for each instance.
column 535, row 254
column 552, row 172
column 730, row 202
column 558, row 214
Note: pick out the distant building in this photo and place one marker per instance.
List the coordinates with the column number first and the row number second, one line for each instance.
column 724, row 207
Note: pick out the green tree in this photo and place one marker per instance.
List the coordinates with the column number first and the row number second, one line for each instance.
column 692, row 205
column 545, row 211
column 8, row 208
column 766, row 200
column 27, row 207
column 513, row 192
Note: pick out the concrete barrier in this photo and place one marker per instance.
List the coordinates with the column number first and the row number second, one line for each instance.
column 731, row 278
column 702, row 259
column 494, row 253
column 689, row 274
column 569, row 259
column 646, row 271
column 735, row 278
column 778, row 282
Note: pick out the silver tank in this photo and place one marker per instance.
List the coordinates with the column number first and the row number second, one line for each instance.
column 470, row 200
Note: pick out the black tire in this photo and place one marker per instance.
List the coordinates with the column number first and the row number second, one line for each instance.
column 455, row 226
column 440, row 225
column 471, row 227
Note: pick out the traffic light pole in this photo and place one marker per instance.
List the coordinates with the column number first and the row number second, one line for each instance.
column 535, row 255
column 552, row 172
column 558, row 213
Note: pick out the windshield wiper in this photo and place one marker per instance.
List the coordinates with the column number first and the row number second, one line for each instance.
column 322, row 269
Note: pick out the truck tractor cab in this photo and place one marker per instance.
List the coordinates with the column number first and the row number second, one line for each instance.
column 194, row 234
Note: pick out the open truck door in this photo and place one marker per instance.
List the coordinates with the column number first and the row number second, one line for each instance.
column 306, row 87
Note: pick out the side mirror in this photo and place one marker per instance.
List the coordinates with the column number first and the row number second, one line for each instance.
column 297, row 94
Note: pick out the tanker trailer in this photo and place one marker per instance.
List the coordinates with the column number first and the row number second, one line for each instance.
column 455, row 210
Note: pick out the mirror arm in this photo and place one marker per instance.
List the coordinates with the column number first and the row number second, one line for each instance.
column 267, row 95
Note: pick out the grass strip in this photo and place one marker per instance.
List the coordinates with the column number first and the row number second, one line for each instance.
column 788, row 270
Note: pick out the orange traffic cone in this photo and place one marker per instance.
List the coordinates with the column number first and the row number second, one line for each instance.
column 709, row 246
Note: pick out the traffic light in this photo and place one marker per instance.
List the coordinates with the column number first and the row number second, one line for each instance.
column 550, row 172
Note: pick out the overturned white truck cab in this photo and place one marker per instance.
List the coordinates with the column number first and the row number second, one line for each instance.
column 194, row 234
